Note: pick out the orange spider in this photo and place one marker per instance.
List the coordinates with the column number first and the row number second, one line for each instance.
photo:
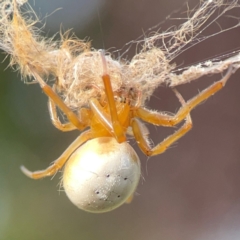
column 105, row 97
column 102, row 169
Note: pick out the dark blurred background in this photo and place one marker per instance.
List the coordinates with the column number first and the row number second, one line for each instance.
column 191, row 192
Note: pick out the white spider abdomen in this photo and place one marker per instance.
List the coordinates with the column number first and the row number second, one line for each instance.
column 101, row 175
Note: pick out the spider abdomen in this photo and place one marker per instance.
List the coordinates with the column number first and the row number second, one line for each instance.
column 101, row 175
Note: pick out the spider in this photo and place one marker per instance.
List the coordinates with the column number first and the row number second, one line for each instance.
column 104, row 99
column 102, row 169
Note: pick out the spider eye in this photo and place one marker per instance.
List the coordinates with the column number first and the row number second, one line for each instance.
column 101, row 175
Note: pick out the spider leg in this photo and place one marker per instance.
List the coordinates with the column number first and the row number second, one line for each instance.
column 58, row 164
column 117, row 128
column 167, row 120
column 104, row 118
column 84, row 115
column 72, row 117
column 65, row 127
column 162, row 146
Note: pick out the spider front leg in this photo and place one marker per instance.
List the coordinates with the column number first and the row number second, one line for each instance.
column 117, row 128
column 58, row 164
column 162, row 146
column 161, row 119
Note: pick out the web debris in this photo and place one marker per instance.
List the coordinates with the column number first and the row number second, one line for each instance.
column 78, row 68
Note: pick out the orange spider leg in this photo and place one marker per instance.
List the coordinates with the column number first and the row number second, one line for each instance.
column 65, row 127
column 101, row 115
column 84, row 115
column 168, row 120
column 140, row 137
column 104, row 118
column 72, row 117
column 117, row 128
column 58, row 164
column 162, row 146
